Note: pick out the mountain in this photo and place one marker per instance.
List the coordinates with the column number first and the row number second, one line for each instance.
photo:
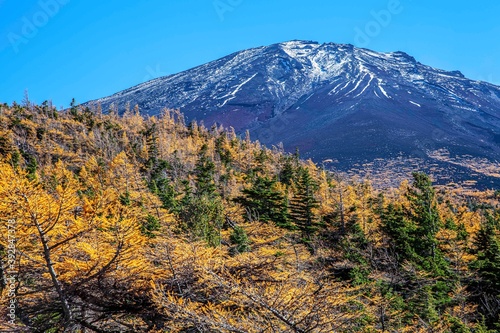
column 342, row 104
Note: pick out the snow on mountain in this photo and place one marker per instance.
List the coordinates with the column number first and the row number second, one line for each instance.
column 332, row 101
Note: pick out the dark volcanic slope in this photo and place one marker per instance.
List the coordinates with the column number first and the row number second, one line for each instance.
column 333, row 102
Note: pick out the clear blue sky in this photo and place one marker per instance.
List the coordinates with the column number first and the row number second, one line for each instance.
column 59, row 49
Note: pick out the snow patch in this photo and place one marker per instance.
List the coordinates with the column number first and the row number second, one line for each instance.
column 334, row 90
column 235, row 91
column 366, row 87
column 382, row 89
column 357, row 85
column 297, row 49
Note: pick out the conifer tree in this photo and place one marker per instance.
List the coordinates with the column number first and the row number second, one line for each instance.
column 264, row 202
column 240, row 239
column 221, row 149
column 287, row 172
column 487, row 245
column 424, row 212
column 487, row 264
column 204, row 172
column 304, row 203
column 202, row 212
column 78, row 236
column 162, row 186
column 401, row 232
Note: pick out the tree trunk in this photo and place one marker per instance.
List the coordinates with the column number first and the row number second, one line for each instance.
column 53, row 275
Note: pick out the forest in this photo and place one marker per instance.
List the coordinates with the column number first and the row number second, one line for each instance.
column 131, row 223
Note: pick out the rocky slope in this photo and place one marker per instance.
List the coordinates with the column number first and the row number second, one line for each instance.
column 335, row 102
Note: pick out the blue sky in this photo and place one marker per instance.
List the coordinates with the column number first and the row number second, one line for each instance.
column 60, row 49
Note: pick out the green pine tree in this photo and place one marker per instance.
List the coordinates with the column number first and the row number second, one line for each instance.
column 287, row 173
column 424, row 214
column 400, row 231
column 303, row 204
column 487, row 264
column 262, row 201
column 487, row 244
column 204, row 172
column 240, row 239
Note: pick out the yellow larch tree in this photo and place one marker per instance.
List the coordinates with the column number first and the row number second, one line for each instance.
column 77, row 243
column 272, row 288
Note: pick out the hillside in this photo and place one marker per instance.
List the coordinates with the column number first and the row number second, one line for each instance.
column 341, row 103
column 144, row 224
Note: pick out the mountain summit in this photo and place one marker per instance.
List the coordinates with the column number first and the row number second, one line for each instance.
column 335, row 101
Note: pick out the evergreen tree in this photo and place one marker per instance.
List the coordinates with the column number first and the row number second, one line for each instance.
column 185, row 201
column 487, row 264
column 224, row 154
column 151, row 136
column 240, row 239
column 73, row 109
column 261, row 160
column 424, row 213
column 287, row 172
column 167, row 194
column 202, row 212
column 161, row 185
column 400, row 230
column 487, row 245
column 413, row 231
column 205, row 217
column 264, row 202
column 201, row 216
column 423, row 304
column 204, row 172
column 304, row 203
